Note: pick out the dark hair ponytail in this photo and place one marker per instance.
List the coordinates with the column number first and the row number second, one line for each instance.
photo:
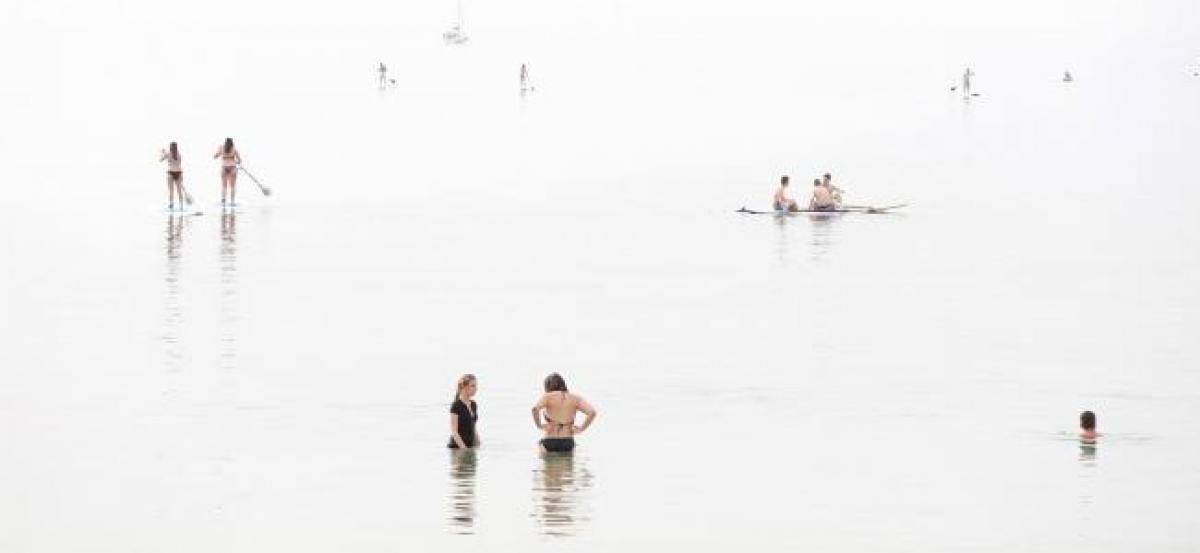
column 228, row 145
column 174, row 151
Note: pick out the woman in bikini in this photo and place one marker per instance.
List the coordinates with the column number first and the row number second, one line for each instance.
column 464, row 413
column 174, row 174
column 230, row 159
column 554, row 415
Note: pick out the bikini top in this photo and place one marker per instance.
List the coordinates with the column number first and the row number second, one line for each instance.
column 568, row 425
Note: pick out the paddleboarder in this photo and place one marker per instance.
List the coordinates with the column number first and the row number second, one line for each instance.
column 966, row 82
column 230, row 159
column 174, row 174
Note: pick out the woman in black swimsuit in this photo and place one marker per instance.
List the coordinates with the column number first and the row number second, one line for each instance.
column 554, row 415
column 463, row 414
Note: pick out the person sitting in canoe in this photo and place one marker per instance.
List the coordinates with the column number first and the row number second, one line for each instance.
column 822, row 198
column 783, row 199
column 836, row 192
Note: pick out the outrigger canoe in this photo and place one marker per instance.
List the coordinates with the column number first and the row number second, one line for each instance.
column 843, row 209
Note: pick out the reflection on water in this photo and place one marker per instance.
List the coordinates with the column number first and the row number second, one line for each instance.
column 462, row 491
column 821, row 242
column 823, row 227
column 174, row 312
column 560, row 493
column 228, row 268
column 1087, row 476
column 781, row 222
column 1087, row 452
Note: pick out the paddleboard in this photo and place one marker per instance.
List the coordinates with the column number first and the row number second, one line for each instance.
column 185, row 212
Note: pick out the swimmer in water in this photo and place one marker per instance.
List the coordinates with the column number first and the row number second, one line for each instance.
column 464, row 414
column 1087, row 427
column 554, row 414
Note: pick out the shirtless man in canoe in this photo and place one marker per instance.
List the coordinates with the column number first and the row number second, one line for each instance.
column 783, row 199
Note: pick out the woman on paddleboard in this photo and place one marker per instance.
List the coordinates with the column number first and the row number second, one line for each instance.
column 464, row 413
column 554, row 415
column 230, row 159
column 174, row 174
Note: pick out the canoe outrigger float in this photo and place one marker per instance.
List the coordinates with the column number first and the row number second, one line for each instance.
column 842, row 209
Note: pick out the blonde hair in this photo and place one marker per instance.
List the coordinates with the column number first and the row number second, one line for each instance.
column 463, row 381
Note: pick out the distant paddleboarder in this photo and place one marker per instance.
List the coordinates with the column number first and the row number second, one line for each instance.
column 783, row 199
column 230, row 159
column 383, row 78
column 524, row 78
column 966, row 82
column 1067, row 77
column 174, row 174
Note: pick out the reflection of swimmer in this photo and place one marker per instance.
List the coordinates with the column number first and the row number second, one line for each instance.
column 559, row 494
column 1087, row 427
column 554, row 414
column 1087, row 451
column 462, row 490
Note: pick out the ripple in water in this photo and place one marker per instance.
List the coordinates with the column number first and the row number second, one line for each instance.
column 561, row 486
column 461, row 512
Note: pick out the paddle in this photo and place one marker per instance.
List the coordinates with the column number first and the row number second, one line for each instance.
column 266, row 191
column 186, row 197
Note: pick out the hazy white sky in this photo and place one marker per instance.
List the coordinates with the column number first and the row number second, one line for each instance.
column 1136, row 17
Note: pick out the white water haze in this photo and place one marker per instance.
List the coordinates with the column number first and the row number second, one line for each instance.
column 278, row 378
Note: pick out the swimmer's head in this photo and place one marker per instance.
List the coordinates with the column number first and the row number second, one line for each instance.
column 1087, row 420
column 555, row 383
column 466, row 383
column 828, row 177
column 816, row 182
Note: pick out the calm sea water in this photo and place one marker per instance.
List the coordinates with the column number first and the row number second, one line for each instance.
column 278, row 378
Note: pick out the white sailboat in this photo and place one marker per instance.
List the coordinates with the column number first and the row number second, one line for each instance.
column 456, row 35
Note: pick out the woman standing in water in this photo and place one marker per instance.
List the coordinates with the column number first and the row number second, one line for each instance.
column 464, row 413
column 174, row 174
column 554, row 415
column 230, row 159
